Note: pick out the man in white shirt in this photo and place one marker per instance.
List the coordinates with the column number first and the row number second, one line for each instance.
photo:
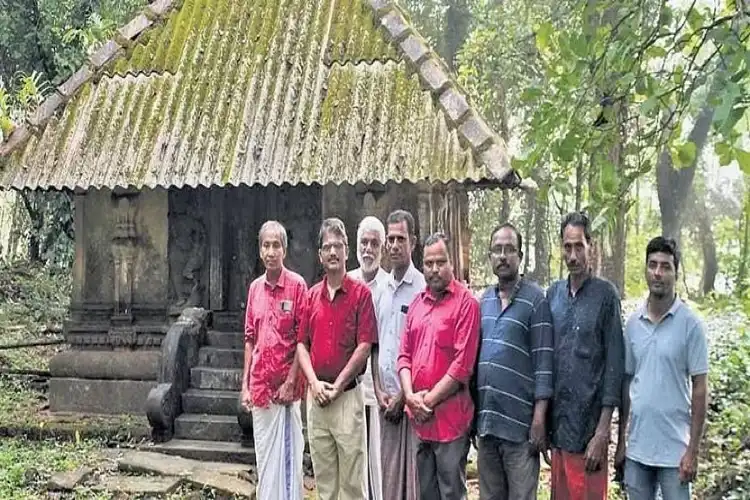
column 404, row 283
column 370, row 241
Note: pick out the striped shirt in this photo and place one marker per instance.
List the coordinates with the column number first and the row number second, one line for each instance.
column 515, row 361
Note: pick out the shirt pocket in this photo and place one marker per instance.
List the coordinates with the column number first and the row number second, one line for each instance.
column 347, row 331
column 285, row 322
column 445, row 330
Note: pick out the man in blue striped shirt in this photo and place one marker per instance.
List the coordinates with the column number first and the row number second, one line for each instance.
column 514, row 375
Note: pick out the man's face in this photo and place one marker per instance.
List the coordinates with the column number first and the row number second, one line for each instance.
column 272, row 252
column 575, row 250
column 505, row 257
column 438, row 270
column 332, row 252
column 369, row 251
column 399, row 244
column 661, row 274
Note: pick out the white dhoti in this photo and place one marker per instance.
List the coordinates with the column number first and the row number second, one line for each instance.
column 374, row 463
column 279, row 445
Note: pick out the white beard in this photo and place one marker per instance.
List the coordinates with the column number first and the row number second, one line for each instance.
column 368, row 268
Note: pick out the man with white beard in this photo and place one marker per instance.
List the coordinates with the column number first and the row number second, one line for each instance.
column 370, row 241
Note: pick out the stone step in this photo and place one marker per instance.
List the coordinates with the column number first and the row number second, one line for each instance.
column 214, row 451
column 216, row 357
column 228, row 321
column 221, row 379
column 211, row 402
column 226, row 340
column 207, row 427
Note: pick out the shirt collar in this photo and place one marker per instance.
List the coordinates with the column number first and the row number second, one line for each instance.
column 344, row 284
column 281, row 282
column 380, row 277
column 583, row 285
column 450, row 289
column 643, row 311
column 514, row 292
column 408, row 278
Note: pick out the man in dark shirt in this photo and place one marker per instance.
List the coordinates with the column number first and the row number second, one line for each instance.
column 514, row 375
column 337, row 331
column 589, row 368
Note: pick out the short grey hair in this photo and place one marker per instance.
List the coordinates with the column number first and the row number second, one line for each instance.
column 371, row 224
column 332, row 225
column 274, row 227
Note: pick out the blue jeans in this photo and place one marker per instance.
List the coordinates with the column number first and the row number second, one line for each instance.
column 641, row 482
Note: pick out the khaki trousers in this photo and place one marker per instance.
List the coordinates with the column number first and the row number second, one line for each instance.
column 338, row 446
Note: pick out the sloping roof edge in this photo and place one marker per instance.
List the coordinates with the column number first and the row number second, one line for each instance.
column 487, row 146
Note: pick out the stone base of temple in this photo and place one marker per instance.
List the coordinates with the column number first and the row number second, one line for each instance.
column 126, row 397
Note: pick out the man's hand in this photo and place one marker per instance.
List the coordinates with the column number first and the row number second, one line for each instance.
column 689, row 466
column 538, row 435
column 333, row 392
column 285, row 394
column 247, row 400
column 619, row 463
column 321, row 392
column 395, row 410
column 596, row 452
column 419, row 409
column 382, row 398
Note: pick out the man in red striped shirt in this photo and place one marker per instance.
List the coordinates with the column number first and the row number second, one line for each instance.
column 436, row 360
column 338, row 329
column 272, row 385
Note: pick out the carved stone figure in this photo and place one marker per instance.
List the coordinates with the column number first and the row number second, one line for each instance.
column 186, row 258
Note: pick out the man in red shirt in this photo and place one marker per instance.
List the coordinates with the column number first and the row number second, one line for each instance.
column 435, row 363
column 338, row 329
column 272, row 384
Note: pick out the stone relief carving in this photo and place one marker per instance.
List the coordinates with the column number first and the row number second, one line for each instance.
column 186, row 261
column 124, row 248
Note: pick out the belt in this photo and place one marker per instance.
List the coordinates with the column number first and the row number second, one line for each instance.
column 349, row 387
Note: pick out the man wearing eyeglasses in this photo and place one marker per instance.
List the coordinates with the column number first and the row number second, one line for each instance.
column 513, row 381
column 338, row 330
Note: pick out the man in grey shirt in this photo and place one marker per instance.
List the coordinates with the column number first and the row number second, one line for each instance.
column 398, row 444
column 666, row 366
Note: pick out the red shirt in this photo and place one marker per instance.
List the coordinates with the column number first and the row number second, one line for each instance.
column 332, row 329
column 272, row 319
column 442, row 336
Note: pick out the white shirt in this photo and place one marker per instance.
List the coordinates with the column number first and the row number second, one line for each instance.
column 395, row 299
column 376, row 286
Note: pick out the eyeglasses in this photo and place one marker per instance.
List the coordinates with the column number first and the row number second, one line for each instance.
column 503, row 250
column 336, row 246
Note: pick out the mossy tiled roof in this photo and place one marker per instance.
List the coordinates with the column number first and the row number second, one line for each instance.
column 216, row 92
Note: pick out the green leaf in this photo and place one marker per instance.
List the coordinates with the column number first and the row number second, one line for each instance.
column 724, row 152
column 686, row 153
column 743, row 159
column 649, row 104
column 656, row 51
column 543, row 33
column 530, row 94
column 600, row 220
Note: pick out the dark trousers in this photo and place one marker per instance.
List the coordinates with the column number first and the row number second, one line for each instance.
column 507, row 471
column 441, row 469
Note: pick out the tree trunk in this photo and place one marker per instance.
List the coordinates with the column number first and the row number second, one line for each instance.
column 673, row 186
column 744, row 250
column 530, row 211
column 457, row 23
column 36, row 216
column 541, row 273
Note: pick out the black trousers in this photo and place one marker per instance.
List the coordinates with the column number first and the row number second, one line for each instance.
column 441, row 469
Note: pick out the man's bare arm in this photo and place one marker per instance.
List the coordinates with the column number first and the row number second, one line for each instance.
column 303, row 359
column 445, row 388
column 698, row 404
